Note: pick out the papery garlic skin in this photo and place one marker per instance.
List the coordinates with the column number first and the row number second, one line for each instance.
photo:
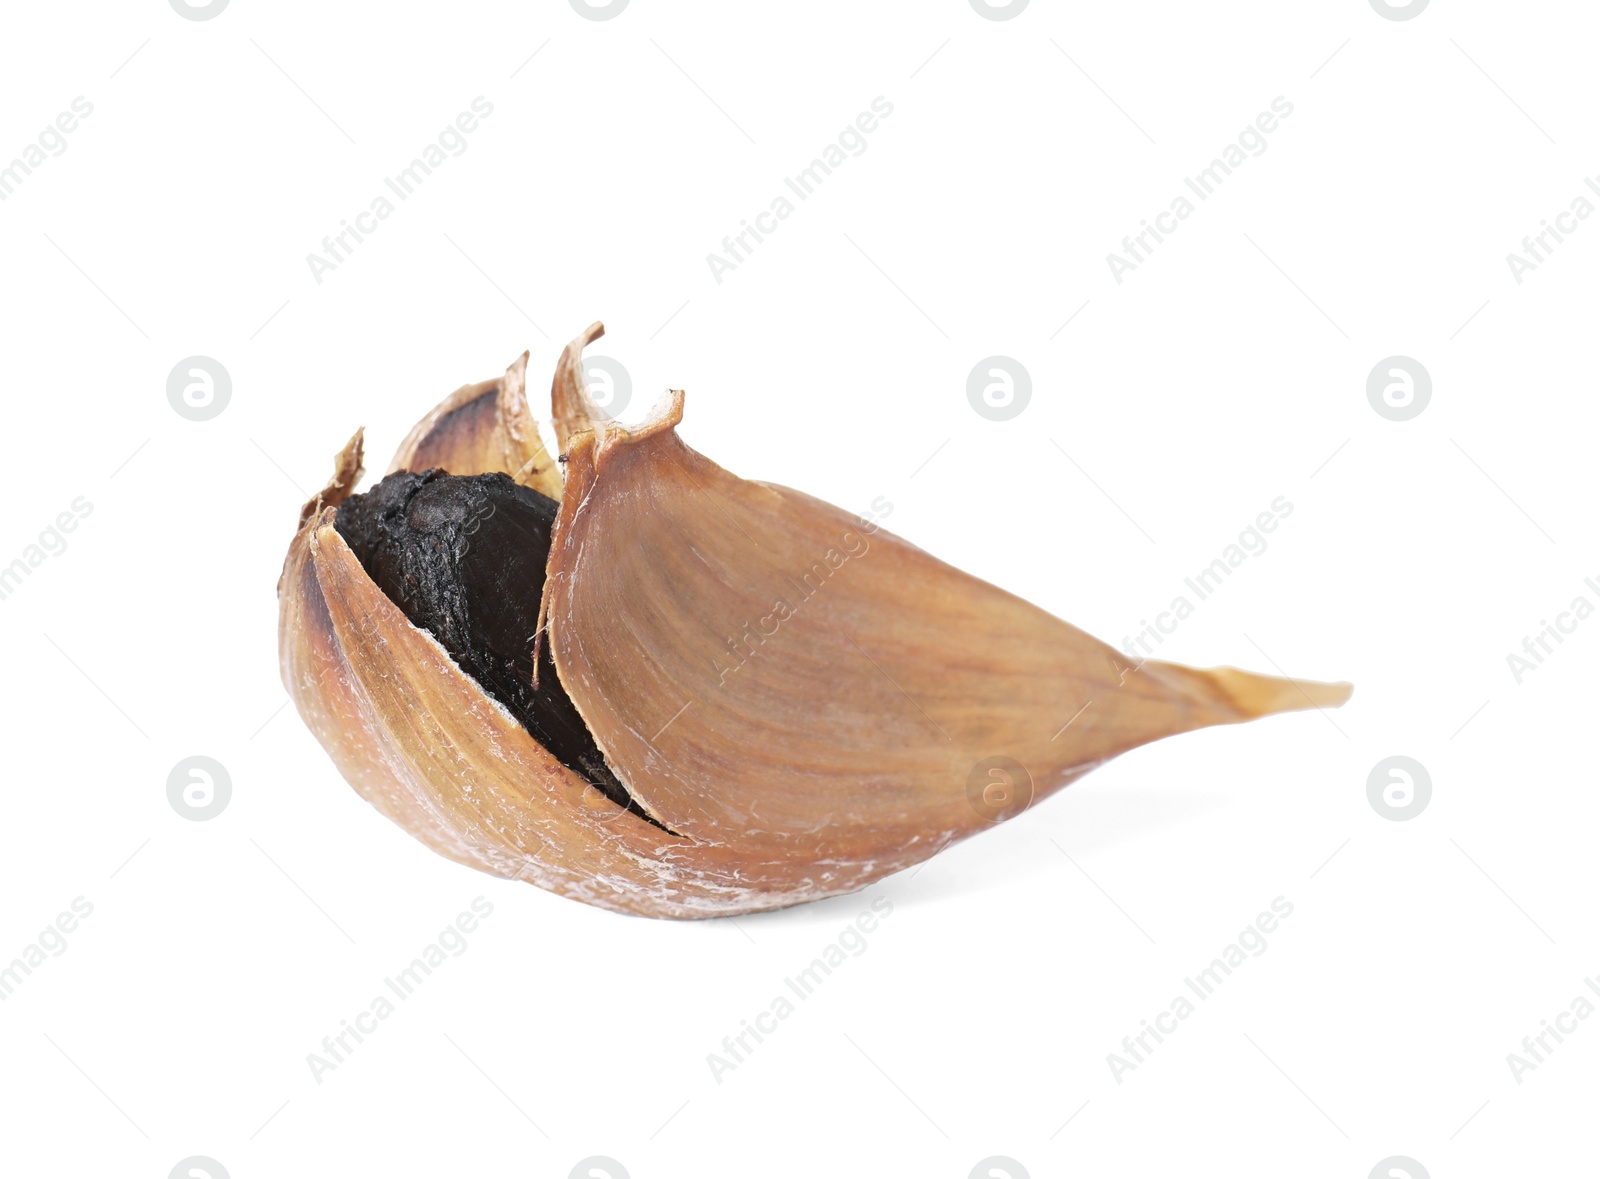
column 839, row 754
column 480, row 428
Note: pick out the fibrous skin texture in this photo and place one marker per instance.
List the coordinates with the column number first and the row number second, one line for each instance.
column 657, row 687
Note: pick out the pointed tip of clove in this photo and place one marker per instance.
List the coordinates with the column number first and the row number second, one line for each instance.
column 1262, row 695
column 347, row 472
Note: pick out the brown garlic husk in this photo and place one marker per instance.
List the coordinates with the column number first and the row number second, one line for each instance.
column 774, row 700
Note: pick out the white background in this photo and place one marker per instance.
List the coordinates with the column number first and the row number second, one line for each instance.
column 1227, row 370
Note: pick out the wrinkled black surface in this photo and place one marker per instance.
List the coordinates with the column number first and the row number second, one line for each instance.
column 464, row 557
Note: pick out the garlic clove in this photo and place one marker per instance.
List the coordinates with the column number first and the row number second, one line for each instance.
column 481, row 428
column 809, row 756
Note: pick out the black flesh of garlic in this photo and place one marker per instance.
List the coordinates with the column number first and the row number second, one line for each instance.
column 463, row 557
